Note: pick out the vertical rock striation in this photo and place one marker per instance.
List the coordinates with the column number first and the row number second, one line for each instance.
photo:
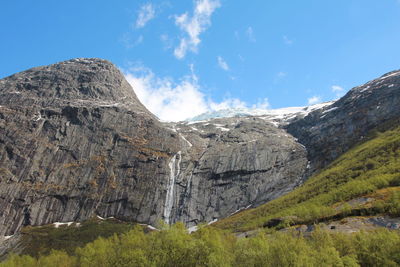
column 76, row 142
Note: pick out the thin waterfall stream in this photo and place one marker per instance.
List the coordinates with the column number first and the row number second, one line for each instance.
column 175, row 169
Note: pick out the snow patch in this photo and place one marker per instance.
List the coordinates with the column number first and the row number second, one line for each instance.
column 244, row 208
column 190, row 122
column 213, row 221
column 365, row 89
column 110, row 105
column 390, row 75
column 58, row 224
column 193, row 229
column 274, row 116
column 329, row 110
column 149, row 226
column 8, row 237
column 221, row 127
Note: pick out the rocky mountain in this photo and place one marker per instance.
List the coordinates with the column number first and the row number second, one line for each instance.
column 76, row 142
column 329, row 132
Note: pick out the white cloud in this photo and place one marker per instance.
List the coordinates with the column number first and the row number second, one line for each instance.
column 287, row 41
column 314, row 100
column 250, row 34
column 227, row 104
column 262, row 104
column 337, row 88
column 146, row 13
column 222, row 63
column 176, row 101
column 194, row 26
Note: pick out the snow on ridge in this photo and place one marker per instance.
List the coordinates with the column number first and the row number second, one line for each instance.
column 390, row 74
column 275, row 116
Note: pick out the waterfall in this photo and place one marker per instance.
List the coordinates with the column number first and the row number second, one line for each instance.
column 175, row 169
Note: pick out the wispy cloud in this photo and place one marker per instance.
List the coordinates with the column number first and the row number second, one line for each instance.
column 314, row 100
column 337, row 88
column 262, row 104
column 166, row 40
column 287, row 41
column 146, row 13
column 130, row 41
column 172, row 100
column 193, row 26
column 222, row 63
column 250, row 34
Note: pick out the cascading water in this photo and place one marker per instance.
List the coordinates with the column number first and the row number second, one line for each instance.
column 175, row 169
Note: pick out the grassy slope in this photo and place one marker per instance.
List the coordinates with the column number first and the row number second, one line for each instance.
column 363, row 170
column 42, row 239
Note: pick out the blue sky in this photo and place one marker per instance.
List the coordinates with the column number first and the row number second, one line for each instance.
column 187, row 57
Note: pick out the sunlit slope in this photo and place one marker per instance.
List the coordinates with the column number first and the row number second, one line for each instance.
column 368, row 167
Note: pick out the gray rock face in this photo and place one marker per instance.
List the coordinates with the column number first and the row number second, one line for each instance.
column 329, row 132
column 75, row 142
column 231, row 164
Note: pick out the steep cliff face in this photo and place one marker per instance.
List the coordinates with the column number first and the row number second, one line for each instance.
column 231, row 164
column 75, row 142
column 329, row 132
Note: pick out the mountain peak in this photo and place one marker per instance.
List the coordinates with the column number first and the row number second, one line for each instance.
column 75, row 79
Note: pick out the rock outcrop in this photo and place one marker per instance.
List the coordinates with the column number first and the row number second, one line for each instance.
column 232, row 164
column 76, row 142
column 329, row 132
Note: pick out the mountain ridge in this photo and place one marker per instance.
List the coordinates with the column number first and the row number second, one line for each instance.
column 74, row 147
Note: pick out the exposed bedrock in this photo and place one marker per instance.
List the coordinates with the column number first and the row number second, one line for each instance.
column 76, row 142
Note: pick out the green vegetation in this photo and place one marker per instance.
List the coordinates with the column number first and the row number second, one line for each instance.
column 364, row 169
column 213, row 247
column 42, row 239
